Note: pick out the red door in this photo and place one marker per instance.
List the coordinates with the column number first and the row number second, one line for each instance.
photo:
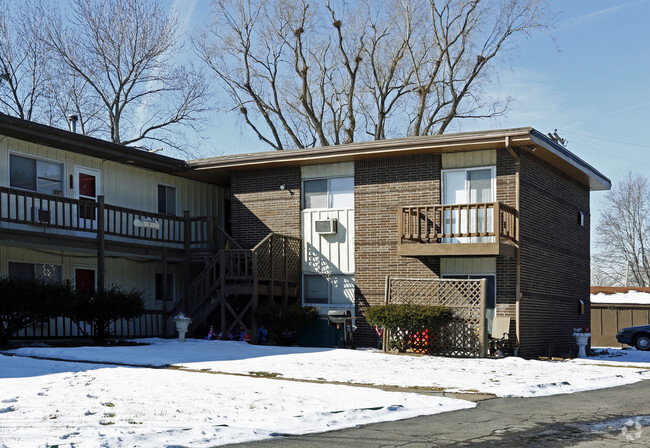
column 84, row 280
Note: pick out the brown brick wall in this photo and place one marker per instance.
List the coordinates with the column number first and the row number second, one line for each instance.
column 259, row 206
column 506, row 178
column 506, row 266
column 554, row 250
column 554, row 259
column 381, row 187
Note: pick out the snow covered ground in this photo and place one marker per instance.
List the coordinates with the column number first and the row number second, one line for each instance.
column 78, row 404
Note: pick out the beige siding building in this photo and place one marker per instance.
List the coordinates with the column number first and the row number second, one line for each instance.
column 78, row 209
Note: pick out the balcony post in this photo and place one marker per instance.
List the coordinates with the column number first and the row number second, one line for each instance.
column 187, row 240
column 164, row 291
column 100, row 244
column 496, row 226
column 400, row 224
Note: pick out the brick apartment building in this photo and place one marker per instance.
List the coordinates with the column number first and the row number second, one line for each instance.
column 324, row 225
column 429, row 207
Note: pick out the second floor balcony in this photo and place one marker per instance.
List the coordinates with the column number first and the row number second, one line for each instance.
column 460, row 229
column 45, row 219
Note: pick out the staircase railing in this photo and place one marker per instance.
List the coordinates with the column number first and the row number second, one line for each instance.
column 226, row 265
column 277, row 258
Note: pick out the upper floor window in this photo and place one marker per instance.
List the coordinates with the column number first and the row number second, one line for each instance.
column 166, row 200
column 38, row 175
column 469, row 185
column 337, row 192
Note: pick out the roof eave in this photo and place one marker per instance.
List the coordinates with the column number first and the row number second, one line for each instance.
column 90, row 146
column 379, row 148
column 596, row 180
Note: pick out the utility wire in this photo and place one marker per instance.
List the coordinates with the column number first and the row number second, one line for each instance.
column 609, row 153
column 605, row 139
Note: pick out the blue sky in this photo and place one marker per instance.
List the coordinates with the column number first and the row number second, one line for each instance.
column 590, row 80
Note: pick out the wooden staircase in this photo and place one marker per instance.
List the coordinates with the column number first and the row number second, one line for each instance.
column 271, row 269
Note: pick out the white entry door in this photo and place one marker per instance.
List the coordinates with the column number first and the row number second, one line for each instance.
column 87, row 186
column 468, row 186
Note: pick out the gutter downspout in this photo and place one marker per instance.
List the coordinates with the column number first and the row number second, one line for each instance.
column 517, row 256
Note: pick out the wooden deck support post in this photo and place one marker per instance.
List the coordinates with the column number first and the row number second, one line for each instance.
column 164, row 291
column 285, row 250
column 101, row 268
column 255, row 297
column 222, row 295
column 272, row 267
column 187, row 240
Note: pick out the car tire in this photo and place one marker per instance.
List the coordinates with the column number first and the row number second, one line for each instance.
column 642, row 342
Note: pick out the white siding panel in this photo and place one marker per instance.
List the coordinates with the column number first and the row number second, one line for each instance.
column 327, row 254
column 327, row 170
column 122, row 185
column 343, row 290
column 469, row 159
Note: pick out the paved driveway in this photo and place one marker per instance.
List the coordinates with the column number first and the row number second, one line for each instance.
column 614, row 417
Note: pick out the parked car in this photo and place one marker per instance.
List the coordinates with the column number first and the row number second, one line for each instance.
column 637, row 336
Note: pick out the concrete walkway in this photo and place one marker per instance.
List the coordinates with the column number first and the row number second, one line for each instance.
column 614, row 417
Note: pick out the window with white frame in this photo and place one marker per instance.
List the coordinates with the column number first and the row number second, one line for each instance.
column 34, row 174
column 166, row 199
column 335, row 192
column 468, row 186
column 334, row 289
column 32, row 271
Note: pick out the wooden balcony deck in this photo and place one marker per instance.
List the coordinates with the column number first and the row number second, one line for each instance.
column 78, row 224
column 488, row 228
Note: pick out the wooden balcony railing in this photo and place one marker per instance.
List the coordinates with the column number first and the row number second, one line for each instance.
column 67, row 214
column 458, row 223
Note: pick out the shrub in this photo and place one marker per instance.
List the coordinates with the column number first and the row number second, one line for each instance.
column 24, row 302
column 282, row 321
column 101, row 309
column 409, row 319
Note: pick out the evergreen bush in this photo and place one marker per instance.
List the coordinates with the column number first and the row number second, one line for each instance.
column 24, row 302
column 103, row 308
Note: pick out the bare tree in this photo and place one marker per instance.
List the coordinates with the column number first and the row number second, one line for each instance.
column 70, row 94
column 24, row 62
column 303, row 72
column 122, row 54
column 623, row 234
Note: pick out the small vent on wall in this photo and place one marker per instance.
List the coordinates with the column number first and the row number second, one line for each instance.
column 325, row 226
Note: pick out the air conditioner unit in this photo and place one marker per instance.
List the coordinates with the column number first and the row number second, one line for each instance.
column 40, row 216
column 325, row 226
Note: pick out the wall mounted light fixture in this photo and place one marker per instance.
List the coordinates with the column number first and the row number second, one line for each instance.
column 283, row 186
